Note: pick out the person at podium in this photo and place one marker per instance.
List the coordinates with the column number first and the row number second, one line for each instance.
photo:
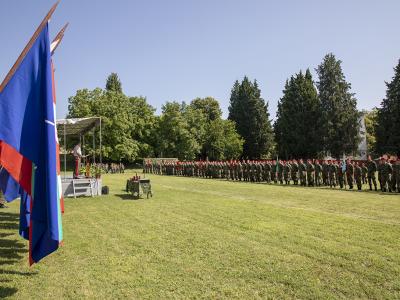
column 77, row 153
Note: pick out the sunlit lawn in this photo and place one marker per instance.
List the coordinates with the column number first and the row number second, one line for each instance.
column 199, row 238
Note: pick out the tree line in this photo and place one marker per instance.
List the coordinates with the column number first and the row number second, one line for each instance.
column 314, row 119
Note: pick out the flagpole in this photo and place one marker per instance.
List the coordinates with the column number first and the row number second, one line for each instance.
column 57, row 40
column 28, row 46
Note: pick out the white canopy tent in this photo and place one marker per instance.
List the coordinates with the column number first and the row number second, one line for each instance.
column 79, row 127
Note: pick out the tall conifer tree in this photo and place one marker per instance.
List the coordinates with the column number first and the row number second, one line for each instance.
column 339, row 108
column 388, row 118
column 298, row 123
column 113, row 83
column 250, row 114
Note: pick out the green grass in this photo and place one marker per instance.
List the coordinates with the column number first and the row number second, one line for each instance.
column 199, row 238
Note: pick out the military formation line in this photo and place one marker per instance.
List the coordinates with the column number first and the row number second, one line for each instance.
column 332, row 173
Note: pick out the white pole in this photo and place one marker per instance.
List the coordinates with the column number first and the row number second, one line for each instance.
column 65, row 152
column 100, row 144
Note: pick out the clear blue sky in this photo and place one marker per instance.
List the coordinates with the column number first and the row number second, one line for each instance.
column 178, row 50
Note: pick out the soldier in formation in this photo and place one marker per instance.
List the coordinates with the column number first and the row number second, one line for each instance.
column 330, row 173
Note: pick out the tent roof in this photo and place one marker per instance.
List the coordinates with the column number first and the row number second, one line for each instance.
column 77, row 126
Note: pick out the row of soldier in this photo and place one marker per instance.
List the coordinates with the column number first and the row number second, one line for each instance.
column 332, row 173
column 112, row 168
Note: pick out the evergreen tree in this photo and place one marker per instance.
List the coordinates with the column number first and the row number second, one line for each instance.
column 298, row 123
column 339, row 108
column 113, row 83
column 250, row 114
column 388, row 118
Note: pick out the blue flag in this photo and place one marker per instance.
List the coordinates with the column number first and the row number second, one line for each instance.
column 28, row 141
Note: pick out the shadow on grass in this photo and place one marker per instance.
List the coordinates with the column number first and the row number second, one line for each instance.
column 125, row 196
column 7, row 292
column 11, row 251
column 337, row 188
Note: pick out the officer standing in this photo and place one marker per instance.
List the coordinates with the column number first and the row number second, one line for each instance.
column 371, row 166
column 364, row 173
column 303, row 173
column 273, row 171
column 295, row 171
column 397, row 174
column 385, row 174
column 341, row 170
column 358, row 175
column 318, row 172
column 349, row 173
column 310, row 173
column 286, row 172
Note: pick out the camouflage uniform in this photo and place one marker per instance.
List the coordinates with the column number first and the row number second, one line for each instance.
column 358, row 176
column 302, row 173
column 340, row 175
column 273, row 172
column 286, row 172
column 325, row 173
column 385, row 175
column 239, row 171
column 364, row 173
column 267, row 172
column 295, row 171
column 318, row 173
column 310, row 173
column 332, row 174
column 350, row 174
column 280, row 172
column 259, row 171
column 371, row 166
column 396, row 174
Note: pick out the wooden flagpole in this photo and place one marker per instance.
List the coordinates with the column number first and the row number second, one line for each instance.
column 57, row 40
column 28, row 46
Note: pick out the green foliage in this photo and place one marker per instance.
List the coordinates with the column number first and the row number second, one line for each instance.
column 131, row 130
column 175, row 136
column 339, row 108
column 250, row 114
column 222, row 141
column 298, row 124
column 218, row 138
column 388, row 118
column 208, row 106
column 126, row 122
column 81, row 105
column 370, row 119
column 197, row 123
column 113, row 83
column 143, row 124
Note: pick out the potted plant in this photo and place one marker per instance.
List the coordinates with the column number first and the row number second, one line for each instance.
column 97, row 172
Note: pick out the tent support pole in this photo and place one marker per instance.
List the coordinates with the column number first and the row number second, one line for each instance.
column 100, row 144
column 65, row 153
column 94, row 145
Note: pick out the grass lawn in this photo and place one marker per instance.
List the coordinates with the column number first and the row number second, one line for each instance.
column 199, row 238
